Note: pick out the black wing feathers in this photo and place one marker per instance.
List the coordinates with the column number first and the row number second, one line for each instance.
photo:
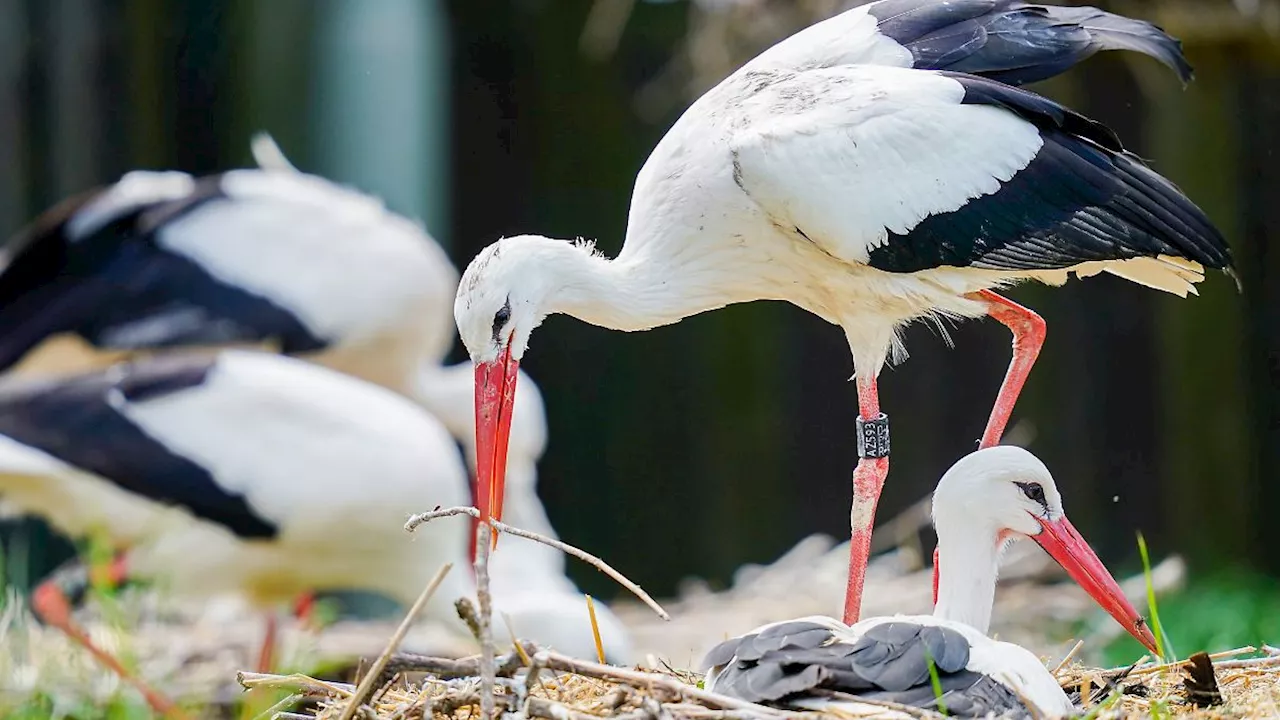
column 1081, row 198
column 891, row 661
column 118, row 288
column 1016, row 42
column 78, row 421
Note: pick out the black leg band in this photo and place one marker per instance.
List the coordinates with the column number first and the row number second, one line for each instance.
column 873, row 437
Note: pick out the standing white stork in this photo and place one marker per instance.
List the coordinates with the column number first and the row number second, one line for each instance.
column 260, row 475
column 162, row 260
column 832, row 172
column 986, row 500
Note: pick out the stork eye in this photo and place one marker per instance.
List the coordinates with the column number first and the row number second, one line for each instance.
column 1034, row 492
column 500, row 319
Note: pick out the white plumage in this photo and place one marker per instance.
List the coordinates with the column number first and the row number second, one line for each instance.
column 984, row 501
column 274, row 254
column 270, row 478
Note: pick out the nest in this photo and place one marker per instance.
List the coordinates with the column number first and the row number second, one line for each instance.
column 541, row 684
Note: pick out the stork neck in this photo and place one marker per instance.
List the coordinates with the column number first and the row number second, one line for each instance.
column 968, row 563
column 635, row 293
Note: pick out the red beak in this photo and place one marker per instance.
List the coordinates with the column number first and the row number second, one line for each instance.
column 495, row 400
column 1061, row 540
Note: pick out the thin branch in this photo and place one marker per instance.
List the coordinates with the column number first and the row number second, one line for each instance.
column 556, row 661
column 447, row 668
column 298, row 682
column 375, row 671
column 1067, row 658
column 483, row 547
column 415, row 521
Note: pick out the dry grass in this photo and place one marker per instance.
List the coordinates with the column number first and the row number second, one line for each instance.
column 576, row 691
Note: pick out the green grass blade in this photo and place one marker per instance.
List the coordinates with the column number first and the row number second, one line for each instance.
column 936, row 682
column 1162, row 640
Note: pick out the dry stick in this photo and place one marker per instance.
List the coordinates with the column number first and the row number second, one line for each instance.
column 483, row 546
column 556, row 661
column 1148, row 669
column 448, row 668
column 1067, row 658
column 375, row 670
column 604, row 567
column 297, row 681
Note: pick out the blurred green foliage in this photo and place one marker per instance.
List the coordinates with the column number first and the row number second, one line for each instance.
column 1225, row 610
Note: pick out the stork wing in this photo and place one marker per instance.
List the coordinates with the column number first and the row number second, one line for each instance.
column 906, row 170
column 95, row 268
column 81, row 421
column 1016, row 42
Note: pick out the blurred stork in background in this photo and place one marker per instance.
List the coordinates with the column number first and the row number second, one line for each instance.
column 161, row 262
column 267, row 477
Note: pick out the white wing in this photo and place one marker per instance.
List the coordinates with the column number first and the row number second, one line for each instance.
column 848, row 154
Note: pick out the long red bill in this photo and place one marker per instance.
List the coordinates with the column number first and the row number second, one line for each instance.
column 1061, row 540
column 495, row 400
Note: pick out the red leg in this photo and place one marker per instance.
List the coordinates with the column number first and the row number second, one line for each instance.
column 266, row 654
column 1028, row 337
column 868, row 478
column 51, row 605
column 304, row 610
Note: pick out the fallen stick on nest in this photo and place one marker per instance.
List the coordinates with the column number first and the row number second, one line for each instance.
column 483, row 548
column 415, row 521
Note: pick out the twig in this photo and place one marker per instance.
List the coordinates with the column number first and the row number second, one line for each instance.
column 375, row 671
column 1268, row 661
column 483, row 546
column 1067, row 658
column 447, row 668
column 415, row 521
column 556, row 661
column 1148, row 669
column 301, row 683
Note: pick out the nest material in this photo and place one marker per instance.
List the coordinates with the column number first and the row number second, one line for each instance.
column 561, row 688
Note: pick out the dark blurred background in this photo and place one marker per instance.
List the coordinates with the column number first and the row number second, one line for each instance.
column 692, row 449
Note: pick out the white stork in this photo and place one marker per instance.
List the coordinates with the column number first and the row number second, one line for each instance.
column 839, row 172
column 163, row 260
column 265, row 476
column 986, row 500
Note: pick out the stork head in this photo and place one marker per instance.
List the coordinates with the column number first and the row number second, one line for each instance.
column 1002, row 493
column 504, row 294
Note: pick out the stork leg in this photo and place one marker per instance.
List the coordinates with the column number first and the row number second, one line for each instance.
column 266, row 653
column 51, row 604
column 1028, row 337
column 303, row 611
column 868, row 479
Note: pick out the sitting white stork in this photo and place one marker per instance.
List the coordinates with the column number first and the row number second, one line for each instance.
column 163, row 260
column 842, row 172
column 986, row 500
column 265, row 476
